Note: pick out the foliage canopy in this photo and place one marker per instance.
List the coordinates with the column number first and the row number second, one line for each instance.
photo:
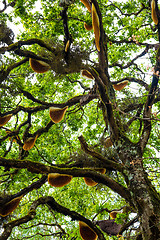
column 108, row 134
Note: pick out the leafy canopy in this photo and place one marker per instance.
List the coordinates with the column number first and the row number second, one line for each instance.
column 128, row 39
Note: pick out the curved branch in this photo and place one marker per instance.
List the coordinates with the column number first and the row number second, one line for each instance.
column 31, row 187
column 87, row 97
column 80, row 83
column 31, row 97
column 5, row 73
column 23, row 192
column 75, row 61
column 134, row 103
column 81, row 99
column 97, row 155
column 56, row 207
column 11, row 4
column 129, row 14
column 36, row 167
column 128, row 224
column 9, row 226
column 74, row 215
column 17, row 45
column 148, row 106
column 132, row 61
column 132, row 79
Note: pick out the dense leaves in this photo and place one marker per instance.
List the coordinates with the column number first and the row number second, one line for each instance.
column 102, row 128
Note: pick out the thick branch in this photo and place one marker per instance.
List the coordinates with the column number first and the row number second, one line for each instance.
column 56, row 57
column 56, row 207
column 150, row 99
column 81, row 99
column 31, row 97
column 108, row 105
column 102, row 54
column 67, row 35
column 97, row 155
column 74, row 215
column 87, row 97
column 17, row 45
column 36, row 167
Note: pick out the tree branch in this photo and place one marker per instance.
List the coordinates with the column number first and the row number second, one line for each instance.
column 107, row 104
column 17, row 45
column 35, row 167
column 56, row 207
column 131, row 62
column 132, row 79
column 91, row 152
column 81, row 99
column 5, row 73
column 11, row 4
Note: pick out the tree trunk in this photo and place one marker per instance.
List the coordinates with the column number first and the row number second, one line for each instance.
column 146, row 201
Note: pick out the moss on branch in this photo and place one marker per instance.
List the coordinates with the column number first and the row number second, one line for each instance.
column 40, row 168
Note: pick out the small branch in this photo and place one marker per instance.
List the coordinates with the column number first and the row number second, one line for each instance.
column 11, row 4
column 35, row 185
column 129, row 14
column 82, row 99
column 80, row 83
column 51, row 235
column 134, row 104
column 135, row 117
column 31, row 97
column 127, row 225
column 131, row 62
column 5, row 73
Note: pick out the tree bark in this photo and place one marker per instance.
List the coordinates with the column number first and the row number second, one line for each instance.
column 146, row 201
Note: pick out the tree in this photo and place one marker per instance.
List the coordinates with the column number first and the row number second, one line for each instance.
column 80, row 107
